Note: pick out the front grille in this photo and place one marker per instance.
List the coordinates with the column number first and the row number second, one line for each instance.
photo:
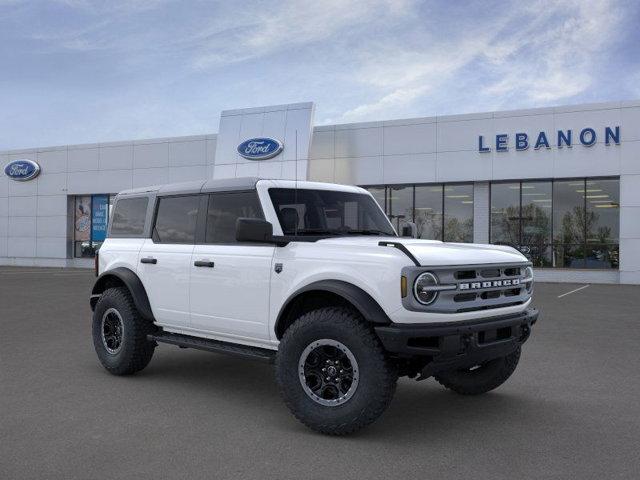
column 464, row 289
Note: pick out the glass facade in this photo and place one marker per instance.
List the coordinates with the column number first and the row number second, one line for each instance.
column 91, row 218
column 440, row 211
column 561, row 223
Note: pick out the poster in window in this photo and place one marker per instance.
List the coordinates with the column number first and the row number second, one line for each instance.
column 82, row 229
column 99, row 209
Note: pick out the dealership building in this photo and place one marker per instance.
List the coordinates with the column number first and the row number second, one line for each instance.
column 562, row 184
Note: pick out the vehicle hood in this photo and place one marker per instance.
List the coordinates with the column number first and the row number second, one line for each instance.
column 436, row 253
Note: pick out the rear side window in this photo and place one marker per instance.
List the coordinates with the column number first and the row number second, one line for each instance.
column 176, row 219
column 128, row 216
column 224, row 209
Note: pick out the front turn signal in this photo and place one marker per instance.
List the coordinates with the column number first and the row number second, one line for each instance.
column 403, row 286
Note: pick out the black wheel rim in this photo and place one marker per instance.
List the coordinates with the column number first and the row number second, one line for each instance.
column 328, row 372
column 112, row 331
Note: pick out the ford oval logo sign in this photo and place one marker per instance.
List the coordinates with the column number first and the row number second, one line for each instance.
column 260, row 148
column 22, row 170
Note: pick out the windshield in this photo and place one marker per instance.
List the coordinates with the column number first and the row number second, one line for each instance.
column 328, row 212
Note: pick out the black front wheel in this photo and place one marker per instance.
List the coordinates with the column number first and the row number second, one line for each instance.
column 120, row 333
column 333, row 373
column 480, row 378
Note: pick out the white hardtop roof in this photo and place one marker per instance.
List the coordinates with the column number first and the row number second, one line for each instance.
column 230, row 184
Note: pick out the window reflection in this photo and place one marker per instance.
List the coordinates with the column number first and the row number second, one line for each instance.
column 505, row 214
column 536, row 200
column 400, row 201
column 428, row 211
column 458, row 213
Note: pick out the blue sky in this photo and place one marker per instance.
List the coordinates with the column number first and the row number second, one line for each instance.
column 76, row 71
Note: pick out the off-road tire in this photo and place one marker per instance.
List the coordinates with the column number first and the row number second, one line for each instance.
column 136, row 351
column 377, row 374
column 482, row 379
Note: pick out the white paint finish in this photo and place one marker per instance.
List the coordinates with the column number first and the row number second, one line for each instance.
column 321, row 170
column 144, row 177
column 294, row 170
column 4, row 226
column 167, row 282
column 112, row 181
column 183, row 154
column 116, row 157
column 22, row 227
column 51, row 205
column 22, row 206
column 418, row 168
column 359, row 142
column 52, row 183
column 630, row 191
column 596, row 119
column 83, row 182
column 4, row 207
column 4, row 183
column 51, row 247
column 359, row 171
column 528, row 163
column 322, row 144
column 52, row 226
column 249, row 169
column 532, row 125
column 211, row 150
column 630, row 121
column 463, row 135
column 252, row 127
column 52, row 161
column 231, row 298
column 151, row 155
column 299, row 124
column 3, row 247
column 187, row 174
column 22, row 189
column 629, row 222
column 579, row 161
column 629, row 157
column 419, row 138
column 228, row 141
column 463, row 166
column 21, row 246
column 630, row 278
column 83, row 159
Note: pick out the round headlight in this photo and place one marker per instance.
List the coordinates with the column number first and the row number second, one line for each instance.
column 528, row 279
column 422, row 288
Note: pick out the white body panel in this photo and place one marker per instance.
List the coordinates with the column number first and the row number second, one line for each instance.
column 232, row 298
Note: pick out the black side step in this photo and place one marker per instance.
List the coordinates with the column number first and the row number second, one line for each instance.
column 187, row 341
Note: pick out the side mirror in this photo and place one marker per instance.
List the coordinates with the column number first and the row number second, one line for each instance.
column 410, row 230
column 254, row 230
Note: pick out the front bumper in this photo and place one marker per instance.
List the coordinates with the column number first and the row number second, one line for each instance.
column 452, row 345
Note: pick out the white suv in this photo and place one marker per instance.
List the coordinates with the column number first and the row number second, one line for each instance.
column 313, row 277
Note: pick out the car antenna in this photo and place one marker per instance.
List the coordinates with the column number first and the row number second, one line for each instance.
column 295, row 185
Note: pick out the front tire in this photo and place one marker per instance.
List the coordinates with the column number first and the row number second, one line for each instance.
column 482, row 378
column 333, row 372
column 120, row 333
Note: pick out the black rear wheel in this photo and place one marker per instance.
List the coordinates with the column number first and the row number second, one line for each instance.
column 120, row 333
column 333, row 373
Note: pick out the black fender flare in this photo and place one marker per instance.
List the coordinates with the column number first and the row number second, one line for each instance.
column 133, row 284
column 363, row 302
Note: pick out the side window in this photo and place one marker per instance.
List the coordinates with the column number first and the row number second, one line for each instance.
column 176, row 219
column 128, row 216
column 224, row 209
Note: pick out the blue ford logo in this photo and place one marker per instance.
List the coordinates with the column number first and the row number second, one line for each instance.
column 260, row 148
column 22, row 170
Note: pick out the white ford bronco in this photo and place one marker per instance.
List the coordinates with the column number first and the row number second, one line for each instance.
column 313, row 277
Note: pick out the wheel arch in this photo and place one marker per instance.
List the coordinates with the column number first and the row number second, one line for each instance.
column 123, row 277
column 328, row 293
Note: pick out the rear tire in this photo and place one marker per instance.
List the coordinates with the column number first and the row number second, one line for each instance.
column 481, row 379
column 359, row 381
column 120, row 333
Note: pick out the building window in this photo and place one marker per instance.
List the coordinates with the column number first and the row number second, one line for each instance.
column 564, row 223
column 440, row 212
column 91, row 217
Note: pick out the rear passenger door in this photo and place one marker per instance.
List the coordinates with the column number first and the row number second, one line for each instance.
column 230, row 280
column 164, row 263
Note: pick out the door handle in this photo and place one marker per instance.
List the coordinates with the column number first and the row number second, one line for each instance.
column 149, row 260
column 203, row 263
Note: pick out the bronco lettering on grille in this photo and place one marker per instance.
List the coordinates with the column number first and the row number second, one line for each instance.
column 488, row 284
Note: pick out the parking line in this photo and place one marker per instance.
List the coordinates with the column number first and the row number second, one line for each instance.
column 573, row 291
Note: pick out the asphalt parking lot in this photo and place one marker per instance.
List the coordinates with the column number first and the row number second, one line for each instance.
column 571, row 410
